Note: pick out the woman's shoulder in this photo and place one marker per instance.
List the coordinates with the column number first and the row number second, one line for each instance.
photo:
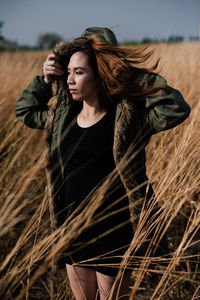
column 150, row 79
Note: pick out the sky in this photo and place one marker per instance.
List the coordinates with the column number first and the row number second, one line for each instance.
column 24, row 20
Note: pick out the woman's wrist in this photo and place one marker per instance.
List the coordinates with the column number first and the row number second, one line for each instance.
column 46, row 80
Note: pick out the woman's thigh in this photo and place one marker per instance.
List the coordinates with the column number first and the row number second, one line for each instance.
column 120, row 288
column 83, row 282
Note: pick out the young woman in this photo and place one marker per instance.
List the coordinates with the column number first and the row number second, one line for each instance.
column 105, row 109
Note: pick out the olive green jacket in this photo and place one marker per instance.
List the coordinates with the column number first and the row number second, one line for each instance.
column 135, row 123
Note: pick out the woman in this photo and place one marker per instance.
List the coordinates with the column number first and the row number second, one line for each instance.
column 104, row 111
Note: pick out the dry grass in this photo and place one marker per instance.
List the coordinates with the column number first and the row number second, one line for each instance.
column 27, row 245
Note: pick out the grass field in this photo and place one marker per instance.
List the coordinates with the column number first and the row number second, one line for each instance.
column 27, row 247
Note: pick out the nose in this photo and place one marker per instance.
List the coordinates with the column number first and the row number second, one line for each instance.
column 70, row 79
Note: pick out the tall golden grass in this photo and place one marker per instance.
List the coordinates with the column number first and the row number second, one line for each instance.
column 27, row 246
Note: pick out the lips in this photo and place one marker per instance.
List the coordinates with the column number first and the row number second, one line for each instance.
column 72, row 91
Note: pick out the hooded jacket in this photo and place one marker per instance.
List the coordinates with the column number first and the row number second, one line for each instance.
column 134, row 126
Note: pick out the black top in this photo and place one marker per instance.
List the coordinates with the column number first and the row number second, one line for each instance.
column 89, row 158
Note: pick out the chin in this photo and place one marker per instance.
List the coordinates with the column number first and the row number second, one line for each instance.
column 77, row 99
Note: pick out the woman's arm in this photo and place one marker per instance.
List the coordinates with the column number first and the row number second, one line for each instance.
column 31, row 106
column 167, row 108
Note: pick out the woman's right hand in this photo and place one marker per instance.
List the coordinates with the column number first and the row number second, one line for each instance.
column 51, row 68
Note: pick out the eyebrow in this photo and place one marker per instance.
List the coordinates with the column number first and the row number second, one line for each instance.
column 76, row 68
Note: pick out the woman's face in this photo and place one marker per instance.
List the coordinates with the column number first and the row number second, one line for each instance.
column 81, row 81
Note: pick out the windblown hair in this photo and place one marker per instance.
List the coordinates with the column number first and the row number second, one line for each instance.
column 116, row 68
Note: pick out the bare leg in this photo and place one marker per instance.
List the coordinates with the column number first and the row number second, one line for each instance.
column 105, row 284
column 83, row 282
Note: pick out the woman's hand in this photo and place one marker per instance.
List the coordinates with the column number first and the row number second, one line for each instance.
column 51, row 67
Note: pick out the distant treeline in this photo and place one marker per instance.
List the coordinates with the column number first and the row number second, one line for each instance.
column 170, row 39
column 48, row 40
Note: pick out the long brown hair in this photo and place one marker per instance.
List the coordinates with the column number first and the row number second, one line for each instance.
column 117, row 69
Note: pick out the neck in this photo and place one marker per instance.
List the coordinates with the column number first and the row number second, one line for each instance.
column 91, row 109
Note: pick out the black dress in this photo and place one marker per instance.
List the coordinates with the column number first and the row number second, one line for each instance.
column 88, row 162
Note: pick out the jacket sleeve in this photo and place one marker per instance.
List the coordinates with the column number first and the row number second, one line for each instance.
column 31, row 106
column 167, row 108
